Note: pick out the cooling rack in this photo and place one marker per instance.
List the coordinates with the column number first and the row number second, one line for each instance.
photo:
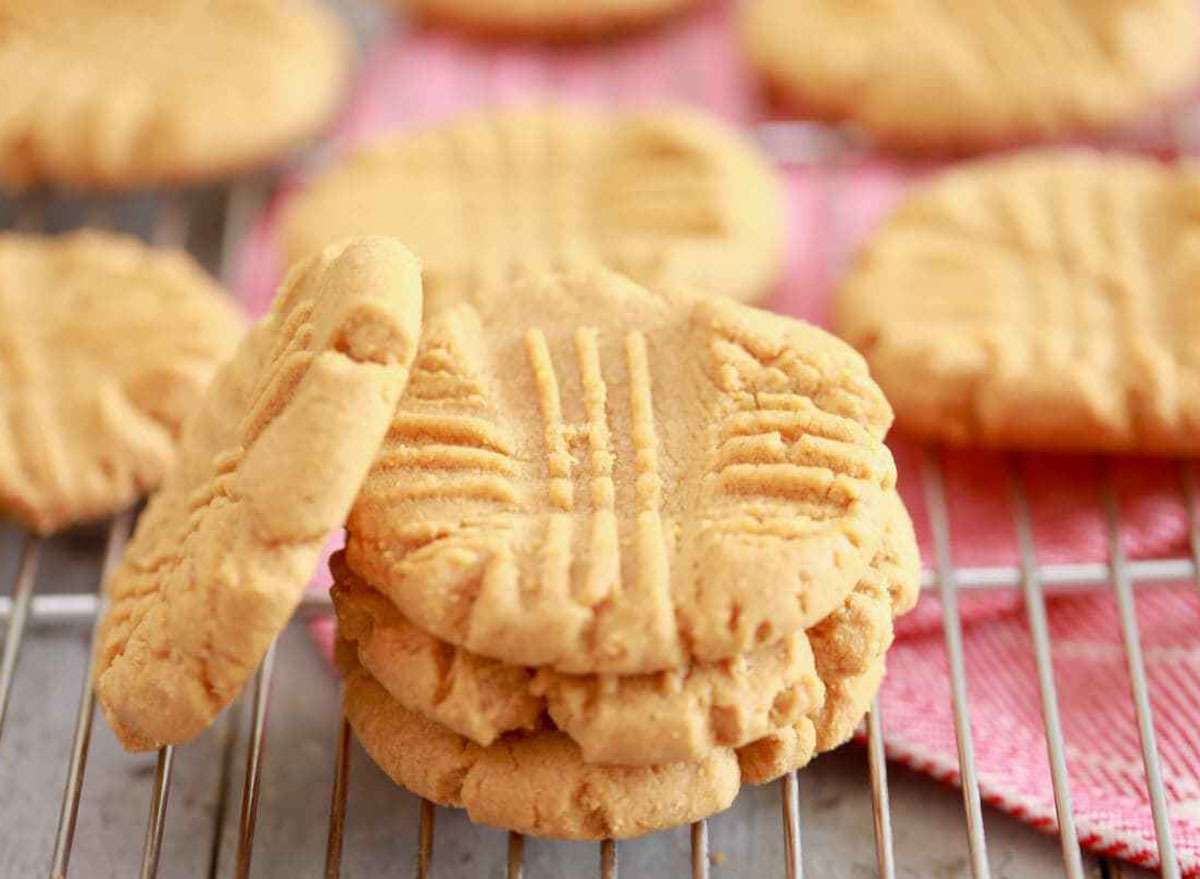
column 171, row 220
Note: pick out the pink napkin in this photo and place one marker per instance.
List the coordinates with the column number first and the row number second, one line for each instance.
column 413, row 79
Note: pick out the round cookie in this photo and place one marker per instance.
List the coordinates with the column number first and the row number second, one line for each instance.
column 546, row 19
column 533, row 783
column 593, row 477
column 1045, row 300
column 105, row 347
column 932, row 76
column 666, row 197
column 648, row 719
column 538, row 783
column 144, row 92
column 268, row 468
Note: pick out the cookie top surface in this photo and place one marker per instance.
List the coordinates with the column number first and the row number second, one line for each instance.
column 594, row 477
column 545, row 19
column 643, row 719
column 935, row 76
column 1045, row 300
column 105, row 346
column 269, row 466
column 142, row 91
column 664, row 197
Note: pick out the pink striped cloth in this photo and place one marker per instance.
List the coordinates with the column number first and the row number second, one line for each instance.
column 412, row 79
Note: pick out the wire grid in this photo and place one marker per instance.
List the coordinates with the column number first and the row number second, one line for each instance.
column 171, row 228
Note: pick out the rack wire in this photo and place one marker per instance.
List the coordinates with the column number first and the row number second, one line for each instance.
column 1120, row 574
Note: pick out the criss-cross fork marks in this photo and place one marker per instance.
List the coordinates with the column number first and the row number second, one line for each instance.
column 778, row 446
column 602, row 572
column 536, row 190
column 1078, row 268
column 1038, row 53
column 446, row 439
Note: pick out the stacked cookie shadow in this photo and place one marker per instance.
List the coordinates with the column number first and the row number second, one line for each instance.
column 621, row 552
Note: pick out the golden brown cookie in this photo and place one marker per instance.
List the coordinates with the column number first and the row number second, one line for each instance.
column 642, row 720
column 1045, row 300
column 647, row 719
column 105, row 347
column 930, row 75
column 142, row 91
column 850, row 647
column 594, row 477
column 666, row 197
column 268, row 469
column 758, row 697
column 539, row 783
column 546, row 19
column 475, row 697
column 533, row 783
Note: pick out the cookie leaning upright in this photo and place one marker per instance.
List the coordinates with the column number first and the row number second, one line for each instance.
column 106, row 345
column 1045, row 300
column 594, row 477
column 270, row 464
column 925, row 75
column 666, row 197
column 143, row 92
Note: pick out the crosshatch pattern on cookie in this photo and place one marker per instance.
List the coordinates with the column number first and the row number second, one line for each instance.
column 269, row 467
column 591, row 476
column 937, row 75
column 1045, row 300
column 106, row 347
column 664, row 197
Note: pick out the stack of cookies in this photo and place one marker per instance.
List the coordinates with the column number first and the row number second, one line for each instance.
column 621, row 551
column 612, row 551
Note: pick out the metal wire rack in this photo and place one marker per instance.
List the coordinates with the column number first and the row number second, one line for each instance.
column 1121, row 575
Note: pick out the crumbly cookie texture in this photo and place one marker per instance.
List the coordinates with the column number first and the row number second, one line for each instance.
column 269, row 466
column 475, row 697
column 535, row 783
column 143, row 92
column 666, row 717
column 935, row 76
column 105, row 347
column 540, row 783
column 594, row 477
column 546, row 19
column 665, row 197
column 850, row 647
column 643, row 720
column 1045, row 300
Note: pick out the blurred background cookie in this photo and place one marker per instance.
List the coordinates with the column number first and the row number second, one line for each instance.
column 142, row 92
column 932, row 76
column 667, row 198
column 545, row 19
column 1046, row 300
column 106, row 347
